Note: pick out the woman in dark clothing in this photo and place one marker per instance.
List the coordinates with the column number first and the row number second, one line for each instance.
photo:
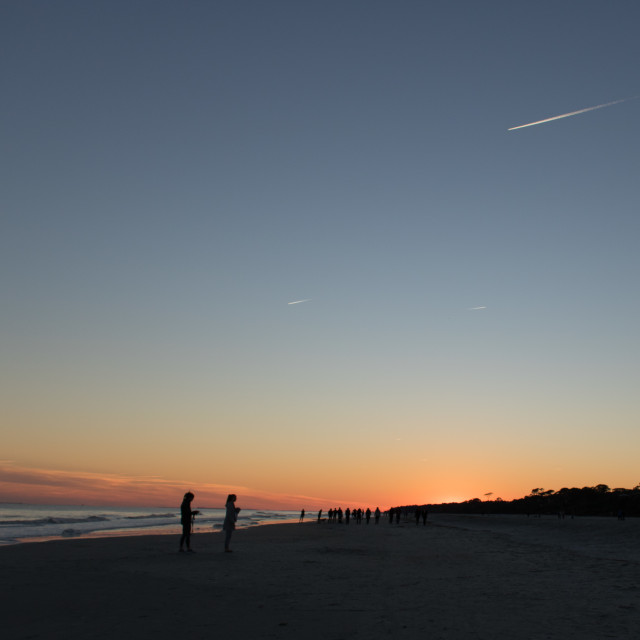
column 186, row 516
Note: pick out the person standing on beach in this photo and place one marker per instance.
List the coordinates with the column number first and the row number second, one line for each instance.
column 230, row 520
column 302, row 516
column 186, row 519
column 376, row 514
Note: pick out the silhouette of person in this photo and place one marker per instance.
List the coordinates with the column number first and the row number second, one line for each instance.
column 347, row 515
column 302, row 516
column 230, row 520
column 320, row 515
column 186, row 519
column 367, row 514
column 376, row 514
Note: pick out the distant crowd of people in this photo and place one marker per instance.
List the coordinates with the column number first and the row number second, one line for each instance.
column 339, row 516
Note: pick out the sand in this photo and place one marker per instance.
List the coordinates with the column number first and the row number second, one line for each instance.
column 460, row 577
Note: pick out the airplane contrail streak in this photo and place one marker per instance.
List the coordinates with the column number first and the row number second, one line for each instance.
column 476, row 308
column 572, row 113
column 300, row 301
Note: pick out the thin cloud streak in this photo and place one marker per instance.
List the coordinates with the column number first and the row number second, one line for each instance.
column 571, row 113
column 52, row 486
column 476, row 308
column 300, row 301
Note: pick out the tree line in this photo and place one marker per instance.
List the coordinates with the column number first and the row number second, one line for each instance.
column 599, row 500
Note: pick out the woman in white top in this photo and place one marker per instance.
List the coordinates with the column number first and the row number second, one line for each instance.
column 230, row 520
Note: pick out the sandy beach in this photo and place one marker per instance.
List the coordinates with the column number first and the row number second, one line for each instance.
column 459, row 577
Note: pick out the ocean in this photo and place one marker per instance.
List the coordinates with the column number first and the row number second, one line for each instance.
column 32, row 523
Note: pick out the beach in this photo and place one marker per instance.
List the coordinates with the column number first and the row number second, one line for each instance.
column 458, row 577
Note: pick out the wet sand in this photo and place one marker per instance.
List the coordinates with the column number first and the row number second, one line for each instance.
column 459, row 577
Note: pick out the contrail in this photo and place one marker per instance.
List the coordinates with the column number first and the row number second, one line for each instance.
column 476, row 308
column 300, row 301
column 572, row 113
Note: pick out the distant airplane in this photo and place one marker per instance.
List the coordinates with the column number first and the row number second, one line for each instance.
column 571, row 113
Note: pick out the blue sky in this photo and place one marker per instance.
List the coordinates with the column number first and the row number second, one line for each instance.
column 175, row 173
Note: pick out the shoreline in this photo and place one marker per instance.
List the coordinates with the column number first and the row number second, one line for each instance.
column 136, row 533
column 530, row 529
column 453, row 579
column 33, row 523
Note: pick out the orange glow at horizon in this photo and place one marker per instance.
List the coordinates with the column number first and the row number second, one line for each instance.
column 378, row 451
column 46, row 486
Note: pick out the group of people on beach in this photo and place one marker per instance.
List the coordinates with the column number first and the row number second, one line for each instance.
column 187, row 516
column 337, row 515
column 394, row 514
column 421, row 513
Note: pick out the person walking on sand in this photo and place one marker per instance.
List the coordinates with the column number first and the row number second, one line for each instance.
column 230, row 520
column 376, row 514
column 302, row 516
column 186, row 519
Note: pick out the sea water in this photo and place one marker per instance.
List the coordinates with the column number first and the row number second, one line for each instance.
column 28, row 522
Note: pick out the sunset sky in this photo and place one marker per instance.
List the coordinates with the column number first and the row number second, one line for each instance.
column 174, row 174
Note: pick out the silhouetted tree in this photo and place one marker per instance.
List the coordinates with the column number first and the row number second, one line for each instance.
column 598, row 500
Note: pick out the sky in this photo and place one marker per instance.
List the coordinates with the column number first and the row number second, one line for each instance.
column 175, row 174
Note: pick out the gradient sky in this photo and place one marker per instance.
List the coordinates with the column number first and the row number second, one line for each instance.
column 175, row 173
